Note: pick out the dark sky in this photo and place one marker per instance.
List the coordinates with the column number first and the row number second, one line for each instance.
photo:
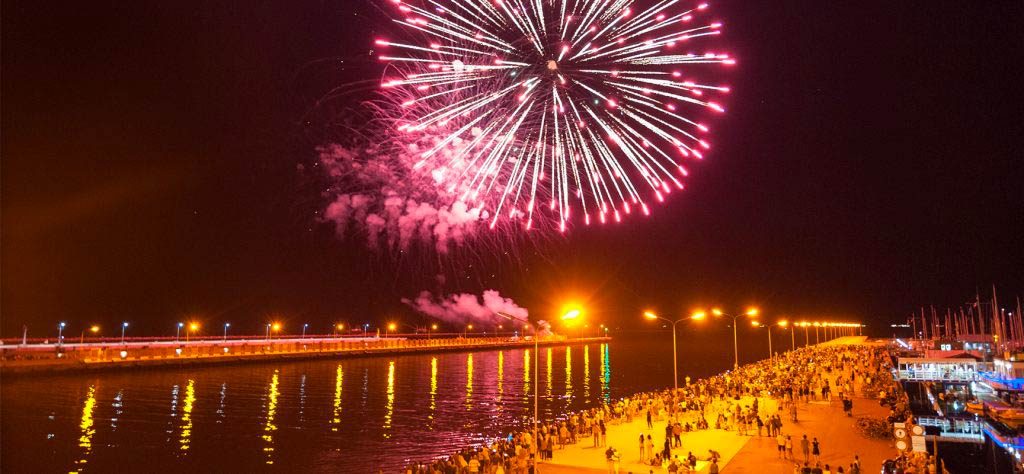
column 870, row 162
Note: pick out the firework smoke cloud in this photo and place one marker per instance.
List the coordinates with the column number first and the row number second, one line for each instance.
column 466, row 308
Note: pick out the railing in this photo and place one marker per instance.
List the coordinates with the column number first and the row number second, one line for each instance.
column 924, row 375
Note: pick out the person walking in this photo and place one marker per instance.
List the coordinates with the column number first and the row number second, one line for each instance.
column 805, row 448
column 781, row 440
column 789, row 447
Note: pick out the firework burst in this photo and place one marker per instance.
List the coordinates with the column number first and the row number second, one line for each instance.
column 562, row 110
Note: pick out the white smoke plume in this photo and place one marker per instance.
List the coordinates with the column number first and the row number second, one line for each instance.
column 382, row 196
column 465, row 308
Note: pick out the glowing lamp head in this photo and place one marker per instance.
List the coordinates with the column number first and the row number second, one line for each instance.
column 571, row 314
column 124, row 324
column 94, row 329
column 783, row 323
column 469, row 326
column 716, row 311
column 340, row 326
column 181, row 325
column 650, row 315
column 392, row 327
column 752, row 312
column 433, row 326
column 276, row 326
column 755, row 324
column 699, row 315
column 193, row 326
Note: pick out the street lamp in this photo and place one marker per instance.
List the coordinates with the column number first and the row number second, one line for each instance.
column 792, row 332
column 60, row 332
column 391, row 327
column 433, row 327
column 782, row 324
column 816, row 326
column 304, row 326
column 192, row 327
column 177, row 332
column 338, row 327
column 226, row 326
column 124, row 325
column 696, row 316
column 275, row 327
column 536, row 375
column 750, row 313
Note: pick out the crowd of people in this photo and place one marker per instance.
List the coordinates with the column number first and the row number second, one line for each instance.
column 728, row 401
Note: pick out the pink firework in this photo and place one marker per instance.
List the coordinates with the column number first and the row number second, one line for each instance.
column 577, row 110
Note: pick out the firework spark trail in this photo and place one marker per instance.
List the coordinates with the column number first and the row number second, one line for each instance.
column 578, row 103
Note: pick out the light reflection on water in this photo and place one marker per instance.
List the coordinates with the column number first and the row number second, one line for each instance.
column 303, row 415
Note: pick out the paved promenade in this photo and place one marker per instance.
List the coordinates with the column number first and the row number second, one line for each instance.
column 840, row 440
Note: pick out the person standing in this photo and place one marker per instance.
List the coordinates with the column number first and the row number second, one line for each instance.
column 789, row 447
column 781, row 440
column 650, row 448
column 805, row 448
column 650, row 425
column 643, row 456
column 815, row 450
column 604, row 432
column 596, row 432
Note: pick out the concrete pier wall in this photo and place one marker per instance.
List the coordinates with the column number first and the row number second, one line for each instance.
column 49, row 358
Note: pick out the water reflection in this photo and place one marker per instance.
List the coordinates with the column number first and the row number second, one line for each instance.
column 186, row 414
column 339, row 376
column 433, row 390
column 501, row 377
column 469, row 381
column 86, row 427
column 586, row 371
column 220, row 405
column 547, row 389
column 117, row 405
column 269, row 427
column 302, row 400
column 606, row 373
column 568, row 372
column 389, row 407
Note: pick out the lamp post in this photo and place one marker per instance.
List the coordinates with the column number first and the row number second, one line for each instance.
column 304, row 326
column 391, row 327
column 192, row 327
column 177, row 332
column 338, row 327
column 792, row 335
column 816, row 339
column 807, row 337
column 268, row 331
column 60, row 332
column 536, row 374
column 750, row 313
column 124, row 325
column 432, row 327
column 226, row 326
column 697, row 316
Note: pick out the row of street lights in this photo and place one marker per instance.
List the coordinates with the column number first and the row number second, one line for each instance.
column 750, row 313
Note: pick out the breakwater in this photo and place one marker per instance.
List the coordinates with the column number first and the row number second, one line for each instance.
column 49, row 358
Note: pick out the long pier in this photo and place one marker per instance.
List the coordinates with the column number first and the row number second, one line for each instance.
column 50, row 358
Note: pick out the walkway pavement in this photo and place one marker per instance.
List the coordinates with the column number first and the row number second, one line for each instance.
column 839, row 437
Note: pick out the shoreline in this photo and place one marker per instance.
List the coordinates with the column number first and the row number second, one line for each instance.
column 730, row 394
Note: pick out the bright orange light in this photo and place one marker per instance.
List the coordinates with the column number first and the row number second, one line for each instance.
column 95, row 329
column 783, row 323
column 755, row 324
column 816, row 324
column 193, row 326
column 571, row 314
column 650, row 315
column 276, row 326
column 433, row 326
column 699, row 315
column 752, row 311
column 716, row 311
column 392, row 326
column 340, row 327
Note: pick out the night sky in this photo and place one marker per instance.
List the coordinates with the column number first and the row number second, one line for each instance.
column 157, row 165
